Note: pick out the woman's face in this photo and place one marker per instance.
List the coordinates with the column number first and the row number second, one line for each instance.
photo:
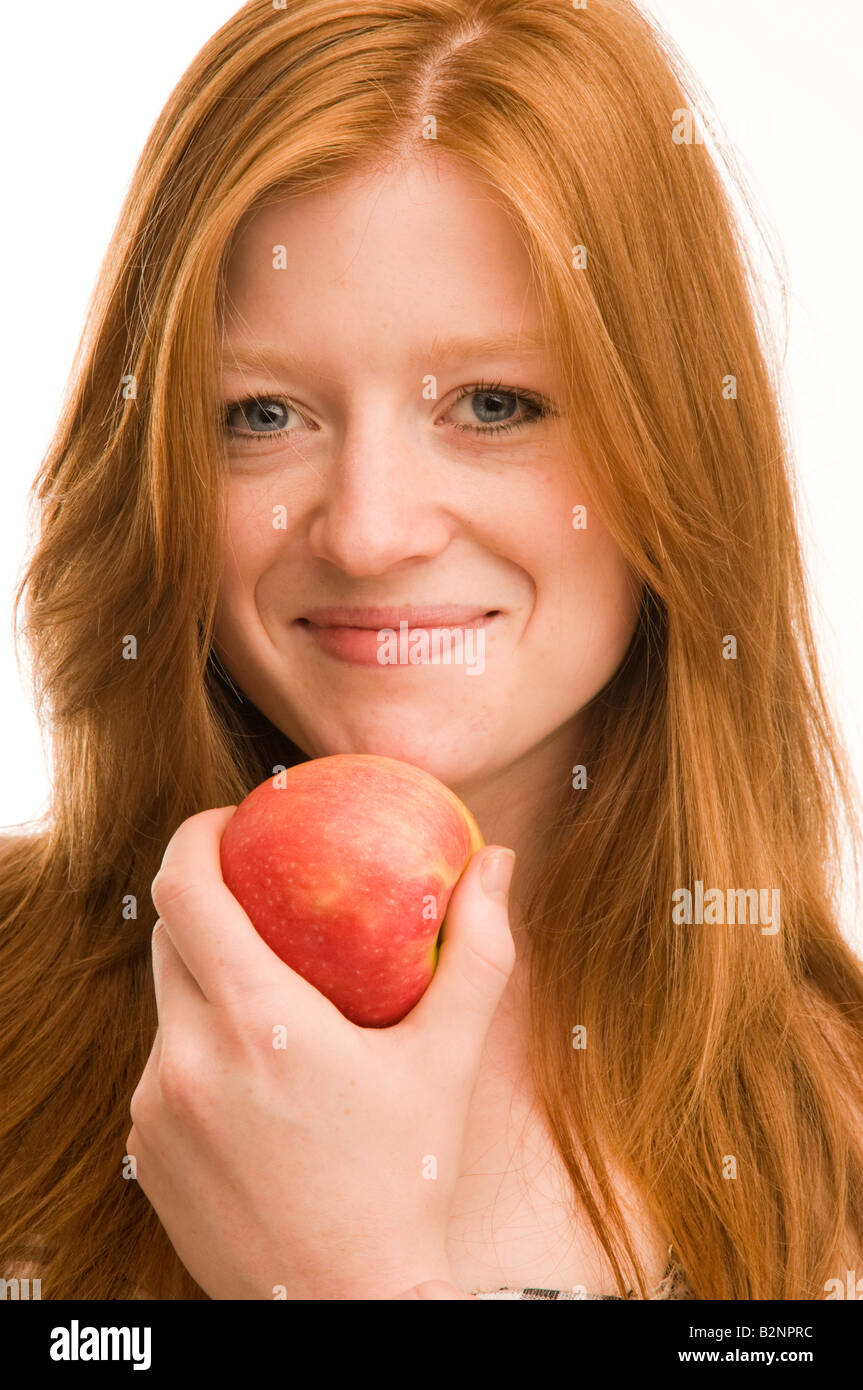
column 371, row 472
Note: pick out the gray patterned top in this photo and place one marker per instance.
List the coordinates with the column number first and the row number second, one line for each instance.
column 673, row 1285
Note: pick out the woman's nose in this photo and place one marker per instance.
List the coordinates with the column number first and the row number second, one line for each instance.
column 382, row 502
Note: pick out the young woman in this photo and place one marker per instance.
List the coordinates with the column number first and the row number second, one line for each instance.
column 435, row 310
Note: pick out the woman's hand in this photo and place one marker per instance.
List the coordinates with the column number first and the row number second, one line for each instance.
column 320, row 1170
column 433, row 1289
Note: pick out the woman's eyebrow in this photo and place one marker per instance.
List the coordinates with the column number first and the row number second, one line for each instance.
column 449, row 349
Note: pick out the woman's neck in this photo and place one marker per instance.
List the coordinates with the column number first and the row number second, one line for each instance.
column 519, row 805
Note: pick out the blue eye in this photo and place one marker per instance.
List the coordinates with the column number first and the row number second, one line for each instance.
column 494, row 400
column 265, row 408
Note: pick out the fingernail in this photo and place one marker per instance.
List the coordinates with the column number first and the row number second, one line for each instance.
column 496, row 872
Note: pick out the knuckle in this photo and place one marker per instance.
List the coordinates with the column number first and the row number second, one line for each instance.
column 179, row 1077
column 494, row 956
column 242, row 1029
column 168, row 888
column 141, row 1105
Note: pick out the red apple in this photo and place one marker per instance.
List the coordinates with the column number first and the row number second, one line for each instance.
column 345, row 865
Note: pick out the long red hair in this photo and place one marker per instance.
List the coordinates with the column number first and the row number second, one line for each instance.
column 704, row 1042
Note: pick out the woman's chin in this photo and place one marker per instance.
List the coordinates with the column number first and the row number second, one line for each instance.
column 441, row 755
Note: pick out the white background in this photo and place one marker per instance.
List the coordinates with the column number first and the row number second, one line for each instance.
column 84, row 83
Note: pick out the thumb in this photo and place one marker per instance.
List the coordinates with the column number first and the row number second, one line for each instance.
column 477, row 952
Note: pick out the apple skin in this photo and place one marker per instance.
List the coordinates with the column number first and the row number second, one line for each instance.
column 335, row 861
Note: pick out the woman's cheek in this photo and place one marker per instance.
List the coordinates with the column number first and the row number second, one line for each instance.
column 594, row 596
column 257, row 528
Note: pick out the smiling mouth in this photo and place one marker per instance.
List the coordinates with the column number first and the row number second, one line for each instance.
column 374, row 619
column 412, row 626
column 354, row 635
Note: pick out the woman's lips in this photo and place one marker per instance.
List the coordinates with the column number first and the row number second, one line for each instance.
column 352, row 634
